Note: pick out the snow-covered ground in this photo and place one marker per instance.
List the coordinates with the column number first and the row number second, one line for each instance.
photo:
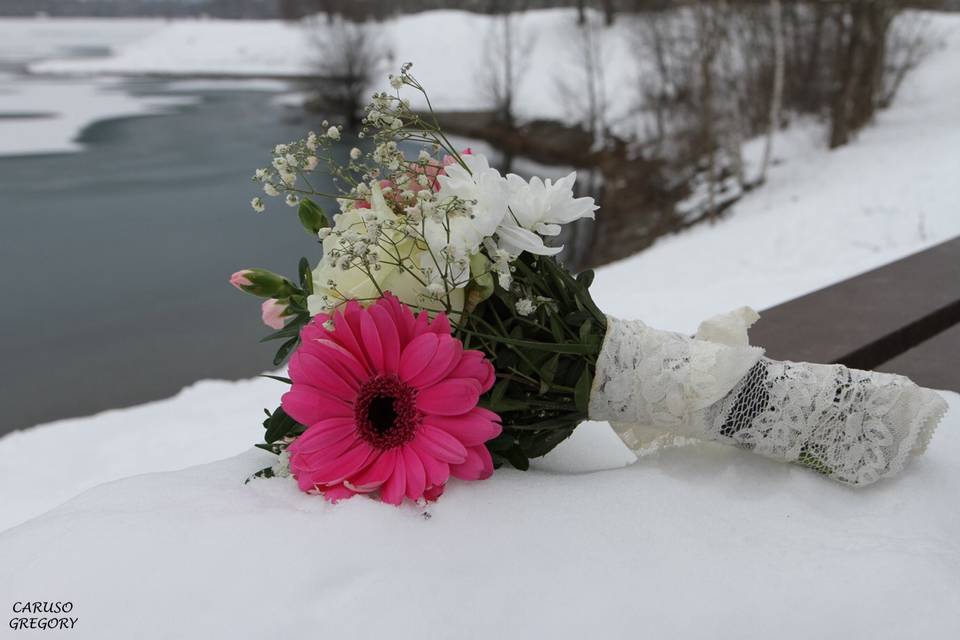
column 684, row 540
column 698, row 542
column 822, row 216
column 691, row 537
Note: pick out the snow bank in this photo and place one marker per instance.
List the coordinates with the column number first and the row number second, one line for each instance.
column 44, row 115
column 52, row 113
column 822, row 216
column 277, row 48
column 44, row 466
column 691, row 539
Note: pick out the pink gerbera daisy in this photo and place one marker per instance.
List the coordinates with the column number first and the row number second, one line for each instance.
column 390, row 404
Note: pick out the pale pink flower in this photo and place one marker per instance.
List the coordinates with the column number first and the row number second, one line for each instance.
column 272, row 312
column 239, row 279
column 390, row 404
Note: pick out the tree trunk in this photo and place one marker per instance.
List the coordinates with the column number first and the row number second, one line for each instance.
column 847, row 51
column 776, row 95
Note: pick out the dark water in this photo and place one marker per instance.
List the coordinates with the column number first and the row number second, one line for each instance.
column 114, row 261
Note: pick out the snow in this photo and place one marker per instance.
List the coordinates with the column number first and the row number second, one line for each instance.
column 684, row 540
column 690, row 539
column 274, row 48
column 820, row 218
column 51, row 113
column 45, row 115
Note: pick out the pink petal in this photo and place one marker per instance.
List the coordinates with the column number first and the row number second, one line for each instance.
column 402, row 318
column 432, row 494
column 421, row 325
column 371, row 341
column 307, row 368
column 307, row 405
column 389, row 338
column 332, row 352
column 451, row 397
column 470, row 429
column 441, row 324
column 437, row 471
column 417, row 355
column 473, row 364
column 415, row 474
column 449, row 350
column 323, row 434
column 393, row 489
column 440, row 444
column 321, row 457
column 376, row 473
column 347, row 336
column 477, row 466
column 336, row 470
column 338, row 493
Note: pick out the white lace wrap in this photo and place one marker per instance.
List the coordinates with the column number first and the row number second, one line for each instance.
column 658, row 388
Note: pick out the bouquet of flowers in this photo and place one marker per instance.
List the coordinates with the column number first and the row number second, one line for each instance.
column 438, row 336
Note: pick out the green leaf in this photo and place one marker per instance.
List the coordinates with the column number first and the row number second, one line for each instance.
column 285, row 350
column 279, row 425
column 581, row 392
column 290, row 330
column 278, row 379
column 589, row 349
column 306, row 275
column 549, row 370
column 585, row 278
column 312, row 217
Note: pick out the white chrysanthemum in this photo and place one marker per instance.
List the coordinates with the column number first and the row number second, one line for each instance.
column 539, row 208
column 484, row 192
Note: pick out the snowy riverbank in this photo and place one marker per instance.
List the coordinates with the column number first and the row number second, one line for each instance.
column 822, row 216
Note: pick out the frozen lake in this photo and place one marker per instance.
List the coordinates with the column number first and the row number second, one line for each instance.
column 115, row 256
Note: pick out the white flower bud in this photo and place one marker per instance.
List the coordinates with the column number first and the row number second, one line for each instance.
column 354, row 154
column 333, row 133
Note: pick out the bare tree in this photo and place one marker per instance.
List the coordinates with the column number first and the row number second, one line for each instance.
column 910, row 41
column 349, row 57
column 585, row 92
column 776, row 95
column 505, row 51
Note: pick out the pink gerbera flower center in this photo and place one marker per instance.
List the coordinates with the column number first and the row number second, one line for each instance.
column 386, row 413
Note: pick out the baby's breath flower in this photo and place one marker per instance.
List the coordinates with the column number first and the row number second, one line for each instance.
column 270, row 190
column 261, row 175
column 333, row 133
column 292, row 200
column 396, row 81
column 525, row 306
column 323, row 233
column 354, row 154
column 311, row 163
column 257, row 205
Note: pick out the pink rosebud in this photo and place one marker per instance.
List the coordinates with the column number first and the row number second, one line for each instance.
column 240, row 279
column 271, row 312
